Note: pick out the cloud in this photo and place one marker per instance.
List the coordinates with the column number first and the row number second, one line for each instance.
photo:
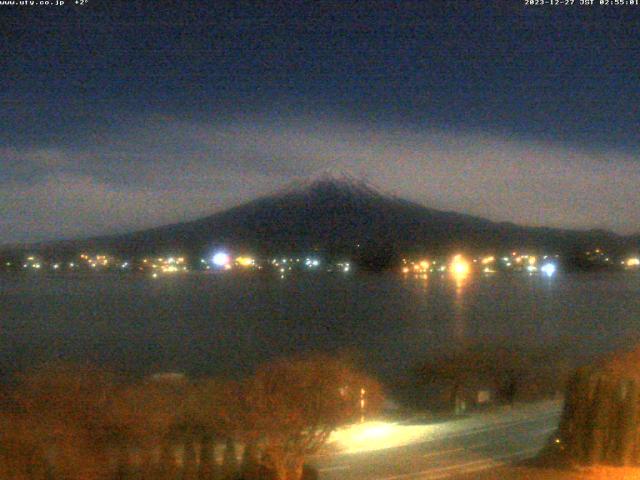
column 162, row 169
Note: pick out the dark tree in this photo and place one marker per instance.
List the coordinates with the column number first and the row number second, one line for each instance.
column 377, row 257
column 292, row 406
column 601, row 417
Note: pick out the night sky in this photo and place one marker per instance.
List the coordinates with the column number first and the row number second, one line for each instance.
column 116, row 118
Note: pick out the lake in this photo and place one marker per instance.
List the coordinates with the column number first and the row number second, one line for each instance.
column 224, row 324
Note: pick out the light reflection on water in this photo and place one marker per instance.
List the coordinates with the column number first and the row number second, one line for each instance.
column 224, row 324
column 458, row 330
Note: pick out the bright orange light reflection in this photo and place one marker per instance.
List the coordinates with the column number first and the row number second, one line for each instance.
column 459, row 268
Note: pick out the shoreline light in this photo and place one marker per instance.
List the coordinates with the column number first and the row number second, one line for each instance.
column 460, row 269
column 459, row 266
column 245, row 261
column 221, row 259
column 549, row 269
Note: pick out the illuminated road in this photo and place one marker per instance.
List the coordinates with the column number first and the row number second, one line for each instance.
column 379, row 451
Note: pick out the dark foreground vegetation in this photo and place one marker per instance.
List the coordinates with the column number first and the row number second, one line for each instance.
column 601, row 418
column 80, row 423
column 598, row 436
column 485, row 374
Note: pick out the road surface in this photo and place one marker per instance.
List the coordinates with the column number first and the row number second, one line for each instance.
column 446, row 450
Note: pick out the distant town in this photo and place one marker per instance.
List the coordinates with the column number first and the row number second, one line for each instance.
column 457, row 265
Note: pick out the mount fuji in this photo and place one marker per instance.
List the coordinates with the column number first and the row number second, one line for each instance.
column 337, row 214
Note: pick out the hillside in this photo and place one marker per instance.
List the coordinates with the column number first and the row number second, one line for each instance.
column 335, row 215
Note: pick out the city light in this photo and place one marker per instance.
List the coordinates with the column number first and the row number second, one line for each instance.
column 245, row 261
column 311, row 262
column 633, row 262
column 221, row 259
column 459, row 267
column 549, row 269
column 421, row 266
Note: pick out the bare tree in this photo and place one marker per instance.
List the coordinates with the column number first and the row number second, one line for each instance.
column 79, row 423
column 294, row 405
column 210, row 415
column 59, row 412
column 144, row 416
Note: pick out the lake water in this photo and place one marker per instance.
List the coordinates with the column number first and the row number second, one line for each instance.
column 217, row 324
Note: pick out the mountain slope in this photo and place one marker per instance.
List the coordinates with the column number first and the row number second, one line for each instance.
column 336, row 215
